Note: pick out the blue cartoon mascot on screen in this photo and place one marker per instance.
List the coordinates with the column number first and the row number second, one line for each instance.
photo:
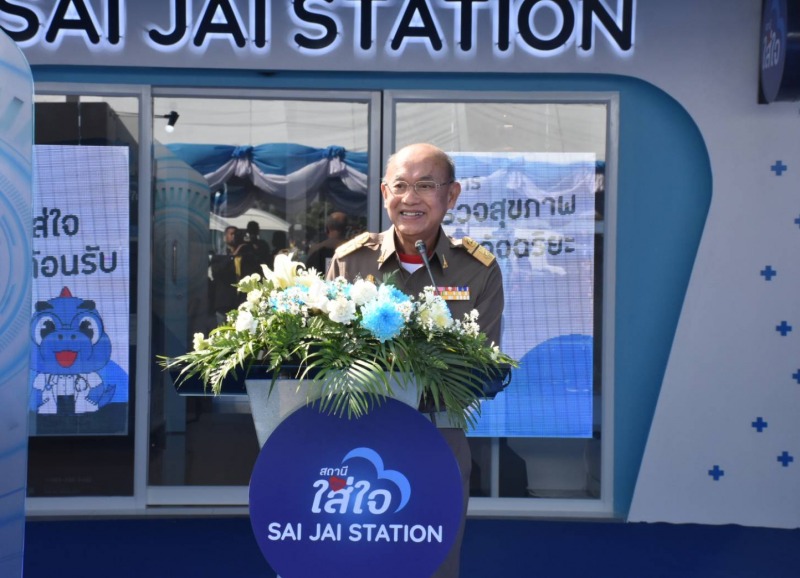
column 69, row 352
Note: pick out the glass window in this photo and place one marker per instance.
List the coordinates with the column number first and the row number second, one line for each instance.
column 533, row 176
column 81, row 418
column 236, row 181
column 532, row 181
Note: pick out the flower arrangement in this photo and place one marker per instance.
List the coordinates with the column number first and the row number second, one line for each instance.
column 347, row 337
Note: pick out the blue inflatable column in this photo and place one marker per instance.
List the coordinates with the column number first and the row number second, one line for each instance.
column 16, row 222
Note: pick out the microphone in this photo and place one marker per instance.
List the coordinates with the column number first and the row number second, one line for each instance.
column 423, row 251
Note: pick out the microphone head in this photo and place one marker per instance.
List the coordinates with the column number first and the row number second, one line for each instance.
column 420, row 245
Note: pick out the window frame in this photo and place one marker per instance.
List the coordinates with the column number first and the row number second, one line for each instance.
column 495, row 506
column 141, row 335
column 227, row 500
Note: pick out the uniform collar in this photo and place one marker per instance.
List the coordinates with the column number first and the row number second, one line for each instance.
column 441, row 252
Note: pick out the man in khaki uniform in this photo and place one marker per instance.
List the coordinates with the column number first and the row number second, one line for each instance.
column 418, row 189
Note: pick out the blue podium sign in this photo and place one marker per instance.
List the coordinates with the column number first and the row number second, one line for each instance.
column 375, row 496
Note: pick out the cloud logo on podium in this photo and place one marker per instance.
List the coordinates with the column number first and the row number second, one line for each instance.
column 377, row 500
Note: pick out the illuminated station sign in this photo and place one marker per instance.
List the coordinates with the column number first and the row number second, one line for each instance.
column 353, row 34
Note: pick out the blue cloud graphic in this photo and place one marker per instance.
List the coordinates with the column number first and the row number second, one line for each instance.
column 393, row 476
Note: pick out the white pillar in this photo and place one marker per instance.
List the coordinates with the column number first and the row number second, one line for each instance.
column 16, row 150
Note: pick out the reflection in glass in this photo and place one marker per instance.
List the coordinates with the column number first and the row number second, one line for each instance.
column 237, row 182
column 532, row 192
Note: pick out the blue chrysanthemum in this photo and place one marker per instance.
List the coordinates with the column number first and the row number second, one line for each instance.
column 392, row 293
column 382, row 319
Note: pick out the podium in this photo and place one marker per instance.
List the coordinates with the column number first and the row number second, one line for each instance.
column 379, row 494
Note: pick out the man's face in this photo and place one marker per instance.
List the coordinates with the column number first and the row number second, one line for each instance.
column 230, row 235
column 418, row 216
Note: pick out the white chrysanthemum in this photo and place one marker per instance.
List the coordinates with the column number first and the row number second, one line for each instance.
column 199, row 342
column 341, row 310
column 363, row 291
column 245, row 322
column 436, row 315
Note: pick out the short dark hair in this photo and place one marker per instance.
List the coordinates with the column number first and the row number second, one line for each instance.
column 337, row 221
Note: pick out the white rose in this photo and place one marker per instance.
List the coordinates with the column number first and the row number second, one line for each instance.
column 245, row 322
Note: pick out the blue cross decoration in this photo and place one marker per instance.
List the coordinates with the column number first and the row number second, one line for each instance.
column 768, row 272
column 797, row 221
column 778, row 168
column 716, row 473
column 785, row 459
column 784, row 328
column 759, row 424
column 796, row 376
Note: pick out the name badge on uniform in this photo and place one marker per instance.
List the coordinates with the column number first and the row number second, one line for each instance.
column 454, row 293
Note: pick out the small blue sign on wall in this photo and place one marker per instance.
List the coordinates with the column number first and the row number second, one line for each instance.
column 779, row 59
column 375, row 496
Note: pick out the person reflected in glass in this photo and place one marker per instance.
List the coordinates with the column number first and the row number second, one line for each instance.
column 226, row 270
column 320, row 254
column 262, row 252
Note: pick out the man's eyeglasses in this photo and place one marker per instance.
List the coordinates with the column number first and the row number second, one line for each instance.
column 422, row 188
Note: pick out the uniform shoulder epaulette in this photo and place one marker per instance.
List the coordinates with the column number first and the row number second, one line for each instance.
column 352, row 245
column 477, row 250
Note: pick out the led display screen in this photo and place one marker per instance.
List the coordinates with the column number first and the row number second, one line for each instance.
column 81, row 291
column 536, row 213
